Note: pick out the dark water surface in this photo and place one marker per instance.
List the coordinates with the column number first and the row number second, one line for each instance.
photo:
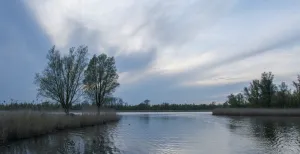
column 172, row 133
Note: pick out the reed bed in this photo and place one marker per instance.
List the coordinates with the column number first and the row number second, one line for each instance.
column 256, row 112
column 16, row 125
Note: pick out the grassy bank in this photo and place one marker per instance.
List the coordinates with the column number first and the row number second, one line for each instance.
column 256, row 112
column 16, row 125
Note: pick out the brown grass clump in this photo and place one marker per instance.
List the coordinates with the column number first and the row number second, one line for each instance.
column 25, row 124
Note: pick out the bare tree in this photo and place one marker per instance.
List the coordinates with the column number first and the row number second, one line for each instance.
column 61, row 80
column 101, row 79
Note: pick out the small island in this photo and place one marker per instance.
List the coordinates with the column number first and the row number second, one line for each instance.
column 66, row 79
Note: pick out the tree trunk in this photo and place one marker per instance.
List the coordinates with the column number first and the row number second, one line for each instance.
column 67, row 111
column 98, row 111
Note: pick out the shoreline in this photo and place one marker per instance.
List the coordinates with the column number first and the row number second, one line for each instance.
column 17, row 125
column 163, row 111
column 290, row 112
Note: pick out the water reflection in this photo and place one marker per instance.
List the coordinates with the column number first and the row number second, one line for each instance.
column 89, row 140
column 100, row 140
column 188, row 133
column 275, row 134
column 145, row 118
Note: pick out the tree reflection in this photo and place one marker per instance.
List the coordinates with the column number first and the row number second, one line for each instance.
column 234, row 123
column 145, row 118
column 278, row 132
column 26, row 146
column 98, row 139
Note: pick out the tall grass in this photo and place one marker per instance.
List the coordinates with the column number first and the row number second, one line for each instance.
column 256, row 112
column 25, row 124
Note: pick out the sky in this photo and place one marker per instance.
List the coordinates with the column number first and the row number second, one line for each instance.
column 179, row 51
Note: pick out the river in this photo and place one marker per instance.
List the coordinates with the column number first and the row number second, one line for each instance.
column 172, row 133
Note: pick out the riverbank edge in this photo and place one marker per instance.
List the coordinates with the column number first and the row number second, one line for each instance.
column 256, row 112
column 19, row 126
column 120, row 111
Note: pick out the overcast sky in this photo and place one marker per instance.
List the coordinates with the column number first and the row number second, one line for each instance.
column 180, row 51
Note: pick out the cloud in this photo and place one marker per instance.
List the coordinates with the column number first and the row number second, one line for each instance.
column 135, row 61
column 180, row 45
column 131, row 26
column 281, row 62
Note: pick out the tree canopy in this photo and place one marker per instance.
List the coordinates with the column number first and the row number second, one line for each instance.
column 61, row 80
column 101, row 79
column 264, row 93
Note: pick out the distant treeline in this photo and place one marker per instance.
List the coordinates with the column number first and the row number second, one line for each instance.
column 146, row 106
column 264, row 93
column 114, row 103
column 35, row 106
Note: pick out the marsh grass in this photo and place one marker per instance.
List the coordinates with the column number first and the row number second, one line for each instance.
column 257, row 112
column 16, row 125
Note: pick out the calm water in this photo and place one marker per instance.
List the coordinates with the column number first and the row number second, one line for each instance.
column 174, row 133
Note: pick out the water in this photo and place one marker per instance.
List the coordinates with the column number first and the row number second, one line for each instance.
column 172, row 133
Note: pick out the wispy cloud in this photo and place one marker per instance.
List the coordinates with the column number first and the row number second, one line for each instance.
column 134, row 26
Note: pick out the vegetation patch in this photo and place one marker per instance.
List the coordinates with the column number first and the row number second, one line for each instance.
column 264, row 93
column 256, row 112
column 25, row 124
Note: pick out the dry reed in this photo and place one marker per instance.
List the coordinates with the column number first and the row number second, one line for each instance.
column 25, row 124
column 256, row 112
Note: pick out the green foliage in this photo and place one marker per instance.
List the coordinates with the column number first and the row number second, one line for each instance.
column 264, row 93
column 236, row 100
column 283, row 96
column 100, row 79
column 252, row 93
column 144, row 105
column 61, row 79
column 296, row 94
column 267, row 88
